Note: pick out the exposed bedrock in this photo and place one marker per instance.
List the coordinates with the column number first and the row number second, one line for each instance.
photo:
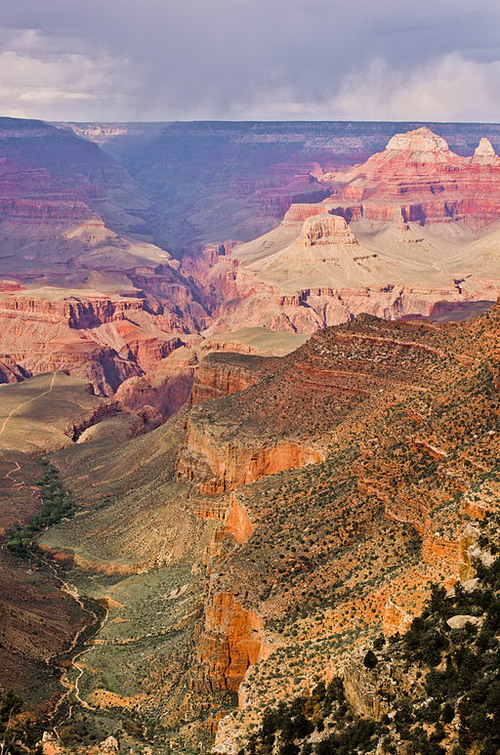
column 232, row 640
column 219, row 464
column 75, row 312
column 222, row 374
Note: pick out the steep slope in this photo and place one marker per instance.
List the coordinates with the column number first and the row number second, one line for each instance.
column 79, row 289
column 256, row 542
column 349, row 547
column 186, row 374
column 433, row 690
column 104, row 339
column 75, row 174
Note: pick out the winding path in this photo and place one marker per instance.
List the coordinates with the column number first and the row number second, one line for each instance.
column 71, row 687
column 99, row 624
column 20, row 484
column 25, row 403
column 16, row 467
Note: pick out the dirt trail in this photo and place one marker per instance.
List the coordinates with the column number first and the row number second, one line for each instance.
column 25, row 403
column 16, row 468
column 20, row 484
column 71, row 687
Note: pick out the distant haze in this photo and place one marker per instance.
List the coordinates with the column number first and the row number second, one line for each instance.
column 250, row 59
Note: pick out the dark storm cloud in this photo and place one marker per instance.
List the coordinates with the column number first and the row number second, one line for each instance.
column 167, row 59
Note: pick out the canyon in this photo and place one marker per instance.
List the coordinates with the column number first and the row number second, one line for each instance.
column 270, row 390
column 256, row 542
column 87, row 287
column 411, row 232
column 236, row 180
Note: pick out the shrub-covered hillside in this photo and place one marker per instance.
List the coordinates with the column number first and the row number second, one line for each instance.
column 432, row 691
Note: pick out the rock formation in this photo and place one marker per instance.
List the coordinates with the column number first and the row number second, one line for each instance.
column 417, row 178
column 213, row 181
column 408, row 233
column 485, row 154
column 277, row 530
column 418, row 230
column 290, row 509
column 79, row 291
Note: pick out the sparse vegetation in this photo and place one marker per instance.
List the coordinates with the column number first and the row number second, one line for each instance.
column 56, row 504
column 460, row 683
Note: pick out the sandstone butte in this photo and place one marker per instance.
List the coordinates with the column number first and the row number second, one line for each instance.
column 294, row 519
column 411, row 232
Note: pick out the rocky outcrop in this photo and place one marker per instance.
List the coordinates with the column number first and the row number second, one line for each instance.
column 38, row 350
column 407, row 234
column 104, row 340
column 222, row 374
column 298, row 213
column 396, row 618
column 189, row 376
column 417, row 178
column 310, row 309
column 105, row 410
column 363, row 690
column 166, row 388
column 420, row 145
column 237, row 523
column 485, row 154
column 231, row 642
column 75, row 312
column 10, row 372
column 326, row 229
column 276, row 201
column 218, row 465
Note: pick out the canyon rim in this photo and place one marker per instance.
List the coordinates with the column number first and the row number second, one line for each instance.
column 249, row 378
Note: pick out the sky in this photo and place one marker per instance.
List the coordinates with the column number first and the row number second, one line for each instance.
column 126, row 60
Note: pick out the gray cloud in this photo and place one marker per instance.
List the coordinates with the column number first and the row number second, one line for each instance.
column 175, row 59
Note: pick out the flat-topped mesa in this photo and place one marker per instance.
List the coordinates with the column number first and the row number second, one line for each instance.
column 325, row 229
column 422, row 145
column 485, row 154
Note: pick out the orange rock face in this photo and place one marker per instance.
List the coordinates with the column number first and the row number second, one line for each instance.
column 219, row 468
column 104, row 341
column 231, row 641
column 217, row 377
column 237, row 522
column 356, row 538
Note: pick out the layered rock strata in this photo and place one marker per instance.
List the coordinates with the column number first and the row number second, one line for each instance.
column 411, row 232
